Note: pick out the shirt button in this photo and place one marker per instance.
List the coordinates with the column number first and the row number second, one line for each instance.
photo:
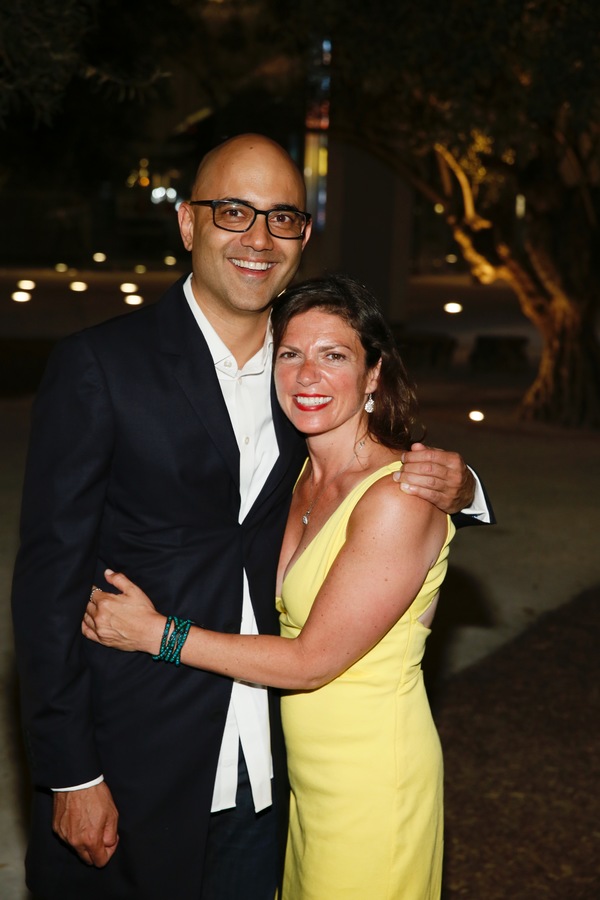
column 246, row 440
column 227, row 363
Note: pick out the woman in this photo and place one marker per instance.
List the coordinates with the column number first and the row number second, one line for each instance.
column 359, row 574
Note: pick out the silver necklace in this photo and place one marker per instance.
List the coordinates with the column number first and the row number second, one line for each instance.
column 314, row 499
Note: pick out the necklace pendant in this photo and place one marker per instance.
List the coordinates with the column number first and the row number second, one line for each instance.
column 305, row 518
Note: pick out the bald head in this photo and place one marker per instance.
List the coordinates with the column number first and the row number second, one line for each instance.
column 249, row 154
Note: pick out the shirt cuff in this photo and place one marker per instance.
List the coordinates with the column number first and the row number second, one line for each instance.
column 80, row 787
column 478, row 509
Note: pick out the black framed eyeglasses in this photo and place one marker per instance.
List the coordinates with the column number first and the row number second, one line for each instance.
column 284, row 222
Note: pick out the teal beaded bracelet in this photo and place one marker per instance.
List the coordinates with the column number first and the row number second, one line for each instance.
column 171, row 645
column 163, row 643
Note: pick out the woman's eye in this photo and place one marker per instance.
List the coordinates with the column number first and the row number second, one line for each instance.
column 336, row 357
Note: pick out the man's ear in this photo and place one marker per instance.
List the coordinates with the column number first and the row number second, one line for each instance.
column 307, row 234
column 185, row 218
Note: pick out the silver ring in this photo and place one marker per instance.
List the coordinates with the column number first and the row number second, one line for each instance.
column 93, row 591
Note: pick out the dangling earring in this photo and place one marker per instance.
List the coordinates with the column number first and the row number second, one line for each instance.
column 370, row 404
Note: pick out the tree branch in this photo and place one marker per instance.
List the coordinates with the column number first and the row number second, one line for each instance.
column 473, row 219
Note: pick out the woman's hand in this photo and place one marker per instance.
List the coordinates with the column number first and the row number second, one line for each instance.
column 125, row 621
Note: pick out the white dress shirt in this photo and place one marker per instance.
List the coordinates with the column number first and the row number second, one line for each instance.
column 247, row 395
column 478, row 508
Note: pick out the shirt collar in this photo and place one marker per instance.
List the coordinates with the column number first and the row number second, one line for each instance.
column 222, row 357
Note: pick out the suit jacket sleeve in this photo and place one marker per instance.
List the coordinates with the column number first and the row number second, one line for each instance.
column 65, row 483
column 462, row 519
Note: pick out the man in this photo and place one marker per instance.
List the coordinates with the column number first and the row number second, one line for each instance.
column 158, row 449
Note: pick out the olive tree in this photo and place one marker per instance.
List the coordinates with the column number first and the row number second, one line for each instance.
column 490, row 110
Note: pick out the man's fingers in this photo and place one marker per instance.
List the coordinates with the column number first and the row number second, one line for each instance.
column 439, row 476
column 427, row 475
column 102, row 854
column 420, row 454
column 87, row 820
column 422, row 485
column 419, row 446
column 111, row 840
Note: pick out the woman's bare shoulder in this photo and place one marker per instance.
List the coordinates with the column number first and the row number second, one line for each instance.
column 387, row 508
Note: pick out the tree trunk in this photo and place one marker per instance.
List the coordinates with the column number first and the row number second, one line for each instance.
column 566, row 390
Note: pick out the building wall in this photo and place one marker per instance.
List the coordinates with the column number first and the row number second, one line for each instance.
column 368, row 226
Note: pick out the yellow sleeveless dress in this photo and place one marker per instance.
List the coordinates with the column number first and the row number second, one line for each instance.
column 364, row 757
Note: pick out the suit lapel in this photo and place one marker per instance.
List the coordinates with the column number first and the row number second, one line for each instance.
column 183, row 345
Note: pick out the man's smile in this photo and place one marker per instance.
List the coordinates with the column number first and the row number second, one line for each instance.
column 254, row 264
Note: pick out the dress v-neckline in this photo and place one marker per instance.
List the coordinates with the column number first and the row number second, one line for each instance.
column 292, row 565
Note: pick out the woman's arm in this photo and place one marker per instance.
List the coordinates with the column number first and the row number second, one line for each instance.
column 392, row 542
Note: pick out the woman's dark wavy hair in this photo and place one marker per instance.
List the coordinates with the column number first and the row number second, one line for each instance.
column 393, row 417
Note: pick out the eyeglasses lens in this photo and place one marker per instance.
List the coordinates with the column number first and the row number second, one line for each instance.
column 285, row 223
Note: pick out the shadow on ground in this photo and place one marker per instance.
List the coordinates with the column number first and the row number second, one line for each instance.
column 464, row 603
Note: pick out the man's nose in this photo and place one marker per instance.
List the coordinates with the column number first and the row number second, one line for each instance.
column 258, row 236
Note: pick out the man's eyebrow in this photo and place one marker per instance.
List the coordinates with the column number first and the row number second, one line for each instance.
column 288, row 206
column 282, row 206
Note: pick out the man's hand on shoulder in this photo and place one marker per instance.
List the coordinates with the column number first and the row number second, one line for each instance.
column 87, row 820
column 439, row 476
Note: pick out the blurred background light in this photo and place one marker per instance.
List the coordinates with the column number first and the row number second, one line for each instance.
column 170, row 261
column 21, row 296
column 139, row 270
column 78, row 286
column 26, row 284
column 453, row 307
column 128, row 287
column 99, row 257
column 133, row 300
column 61, row 267
column 476, row 416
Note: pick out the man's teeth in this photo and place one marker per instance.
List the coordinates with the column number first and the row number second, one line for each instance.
column 251, row 264
column 313, row 401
